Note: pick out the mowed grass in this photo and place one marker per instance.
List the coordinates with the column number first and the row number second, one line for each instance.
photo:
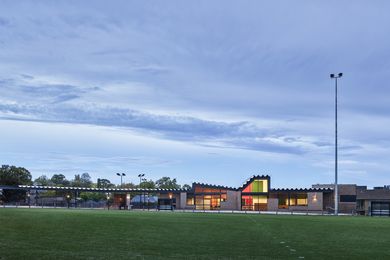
column 98, row 234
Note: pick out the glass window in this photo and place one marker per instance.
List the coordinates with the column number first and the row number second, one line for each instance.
column 347, row 198
column 302, row 199
column 283, row 201
column 190, row 200
column 208, row 201
column 298, row 199
column 254, row 202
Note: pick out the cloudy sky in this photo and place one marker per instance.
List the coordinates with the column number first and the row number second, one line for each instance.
column 207, row 91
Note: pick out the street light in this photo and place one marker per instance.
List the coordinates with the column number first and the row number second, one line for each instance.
column 108, row 200
column 68, row 199
column 29, row 199
column 140, row 180
column 121, row 175
column 336, row 189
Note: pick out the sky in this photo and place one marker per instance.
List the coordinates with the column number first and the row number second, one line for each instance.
column 201, row 91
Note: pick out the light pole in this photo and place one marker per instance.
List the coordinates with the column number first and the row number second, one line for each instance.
column 108, row 200
column 28, row 197
column 68, row 200
column 121, row 175
column 140, row 180
column 336, row 189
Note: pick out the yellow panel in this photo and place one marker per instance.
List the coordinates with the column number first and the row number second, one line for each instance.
column 265, row 185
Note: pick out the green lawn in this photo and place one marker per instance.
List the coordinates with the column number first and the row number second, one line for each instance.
column 98, row 234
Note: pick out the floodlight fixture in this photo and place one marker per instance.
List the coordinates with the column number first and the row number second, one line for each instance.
column 121, row 175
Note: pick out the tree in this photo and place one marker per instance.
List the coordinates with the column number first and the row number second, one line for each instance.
column 127, row 185
column 12, row 176
column 82, row 181
column 86, row 180
column 95, row 196
column 104, row 183
column 186, row 187
column 42, row 181
column 147, row 184
column 59, row 180
column 167, row 183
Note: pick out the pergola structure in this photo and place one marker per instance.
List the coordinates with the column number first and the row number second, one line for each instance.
column 75, row 191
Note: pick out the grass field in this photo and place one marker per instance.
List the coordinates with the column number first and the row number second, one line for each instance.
column 98, row 234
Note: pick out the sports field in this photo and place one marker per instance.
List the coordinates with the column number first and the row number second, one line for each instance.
column 98, row 234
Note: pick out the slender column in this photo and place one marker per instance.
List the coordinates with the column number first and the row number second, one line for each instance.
column 336, row 189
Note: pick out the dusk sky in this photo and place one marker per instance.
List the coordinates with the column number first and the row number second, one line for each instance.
column 205, row 91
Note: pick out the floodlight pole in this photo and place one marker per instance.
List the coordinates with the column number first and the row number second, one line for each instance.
column 140, row 180
column 336, row 188
column 121, row 175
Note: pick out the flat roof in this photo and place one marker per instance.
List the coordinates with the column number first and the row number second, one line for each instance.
column 37, row 187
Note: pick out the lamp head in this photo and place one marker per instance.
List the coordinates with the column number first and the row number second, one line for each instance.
column 332, row 76
column 118, row 174
column 340, row 75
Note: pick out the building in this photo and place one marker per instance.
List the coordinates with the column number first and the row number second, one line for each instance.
column 256, row 194
column 360, row 200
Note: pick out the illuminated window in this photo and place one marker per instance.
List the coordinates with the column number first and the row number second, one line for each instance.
column 209, row 201
column 253, row 202
column 301, row 199
column 298, row 199
column 282, row 201
column 190, row 200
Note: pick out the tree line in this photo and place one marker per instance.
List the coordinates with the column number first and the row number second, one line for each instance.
column 13, row 175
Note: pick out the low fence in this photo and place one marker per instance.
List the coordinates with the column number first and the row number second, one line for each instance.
column 87, row 205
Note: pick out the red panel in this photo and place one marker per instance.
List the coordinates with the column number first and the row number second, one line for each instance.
column 248, row 188
column 248, row 200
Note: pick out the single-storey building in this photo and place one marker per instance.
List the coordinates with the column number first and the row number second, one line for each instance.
column 256, row 194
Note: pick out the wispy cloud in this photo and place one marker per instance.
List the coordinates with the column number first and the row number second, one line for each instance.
column 243, row 135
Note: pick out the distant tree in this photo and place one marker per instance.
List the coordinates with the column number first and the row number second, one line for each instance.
column 12, row 175
column 186, row 186
column 82, row 181
column 128, row 185
column 86, row 180
column 147, row 184
column 59, row 180
column 95, row 196
column 42, row 181
column 167, row 183
column 76, row 182
column 104, row 183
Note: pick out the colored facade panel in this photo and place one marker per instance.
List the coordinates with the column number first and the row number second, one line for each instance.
column 257, row 186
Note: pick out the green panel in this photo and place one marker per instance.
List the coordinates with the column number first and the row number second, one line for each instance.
column 257, row 186
column 261, row 186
